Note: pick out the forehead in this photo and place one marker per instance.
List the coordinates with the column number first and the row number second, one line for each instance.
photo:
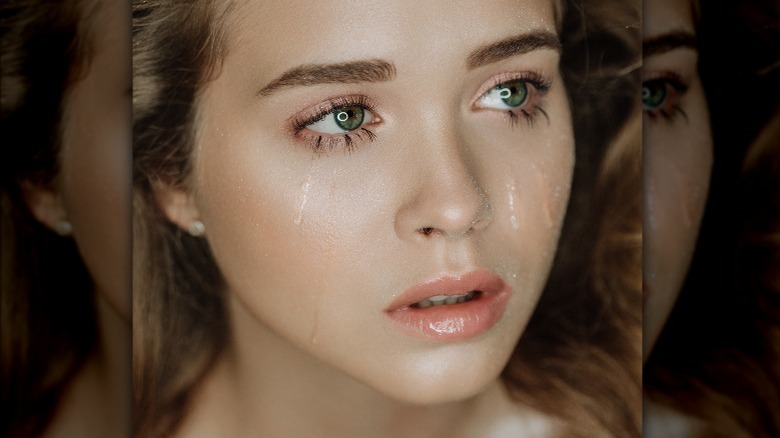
column 661, row 16
column 278, row 34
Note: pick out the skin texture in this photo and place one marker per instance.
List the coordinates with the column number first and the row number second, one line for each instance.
column 677, row 163
column 315, row 245
column 92, row 193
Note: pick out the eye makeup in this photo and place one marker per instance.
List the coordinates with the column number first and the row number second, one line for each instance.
column 343, row 122
column 518, row 95
column 346, row 122
column 661, row 95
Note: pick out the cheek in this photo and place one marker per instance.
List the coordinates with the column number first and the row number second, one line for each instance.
column 678, row 159
column 252, row 226
column 533, row 193
column 529, row 178
column 289, row 236
column 96, row 184
column 537, row 188
column 96, row 160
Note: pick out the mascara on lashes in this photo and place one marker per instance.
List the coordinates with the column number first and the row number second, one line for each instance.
column 537, row 86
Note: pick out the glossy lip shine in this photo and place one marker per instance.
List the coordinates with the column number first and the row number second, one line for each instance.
column 456, row 321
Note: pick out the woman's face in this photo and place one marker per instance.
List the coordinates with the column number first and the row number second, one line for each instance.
column 355, row 158
column 678, row 157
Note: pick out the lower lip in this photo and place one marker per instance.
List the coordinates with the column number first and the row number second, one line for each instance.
column 455, row 321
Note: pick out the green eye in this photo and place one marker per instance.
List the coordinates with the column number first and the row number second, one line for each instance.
column 341, row 119
column 654, row 94
column 349, row 118
column 513, row 93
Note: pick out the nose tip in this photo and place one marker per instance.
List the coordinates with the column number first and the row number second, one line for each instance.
column 450, row 204
column 457, row 220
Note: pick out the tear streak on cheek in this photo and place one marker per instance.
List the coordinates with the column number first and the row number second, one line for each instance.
column 511, row 189
column 539, row 198
column 303, row 197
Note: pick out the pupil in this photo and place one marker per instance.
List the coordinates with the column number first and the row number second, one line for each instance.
column 513, row 93
column 349, row 118
column 653, row 94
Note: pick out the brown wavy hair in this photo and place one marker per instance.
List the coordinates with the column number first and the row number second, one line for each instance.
column 179, row 315
column 717, row 361
column 46, row 309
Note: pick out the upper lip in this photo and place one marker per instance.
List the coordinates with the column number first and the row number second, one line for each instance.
column 481, row 280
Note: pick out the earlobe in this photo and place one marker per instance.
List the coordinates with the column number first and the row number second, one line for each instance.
column 45, row 204
column 179, row 207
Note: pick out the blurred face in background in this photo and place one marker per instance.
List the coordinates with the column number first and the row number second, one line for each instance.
column 91, row 191
column 677, row 157
column 94, row 179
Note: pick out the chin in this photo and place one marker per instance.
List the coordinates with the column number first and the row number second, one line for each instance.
column 437, row 378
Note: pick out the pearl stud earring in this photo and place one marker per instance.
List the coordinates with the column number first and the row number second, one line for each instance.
column 196, row 228
column 64, row 228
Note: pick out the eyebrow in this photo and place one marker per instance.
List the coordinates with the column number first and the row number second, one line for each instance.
column 374, row 70
column 515, row 45
column 378, row 70
column 668, row 42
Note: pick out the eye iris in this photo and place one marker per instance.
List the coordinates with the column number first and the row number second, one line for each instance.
column 653, row 94
column 349, row 118
column 513, row 93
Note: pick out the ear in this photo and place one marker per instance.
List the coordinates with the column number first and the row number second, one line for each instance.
column 179, row 207
column 45, row 204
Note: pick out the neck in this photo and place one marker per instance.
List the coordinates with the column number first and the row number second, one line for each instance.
column 97, row 402
column 113, row 358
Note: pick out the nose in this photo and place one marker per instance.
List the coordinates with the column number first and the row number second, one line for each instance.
column 447, row 200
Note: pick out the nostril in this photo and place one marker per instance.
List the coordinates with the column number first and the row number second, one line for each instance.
column 426, row 231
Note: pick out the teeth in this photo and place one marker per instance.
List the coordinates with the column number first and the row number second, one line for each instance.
column 439, row 300
column 423, row 304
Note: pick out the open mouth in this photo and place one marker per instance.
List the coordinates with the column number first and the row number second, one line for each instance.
column 445, row 300
column 451, row 307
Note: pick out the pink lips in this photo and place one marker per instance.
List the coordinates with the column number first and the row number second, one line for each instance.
column 448, row 322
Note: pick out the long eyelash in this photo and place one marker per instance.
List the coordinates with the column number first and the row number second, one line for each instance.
column 680, row 111
column 371, row 135
column 325, row 143
column 541, row 110
column 669, row 116
column 528, row 117
column 538, row 81
column 541, row 86
column 299, row 123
